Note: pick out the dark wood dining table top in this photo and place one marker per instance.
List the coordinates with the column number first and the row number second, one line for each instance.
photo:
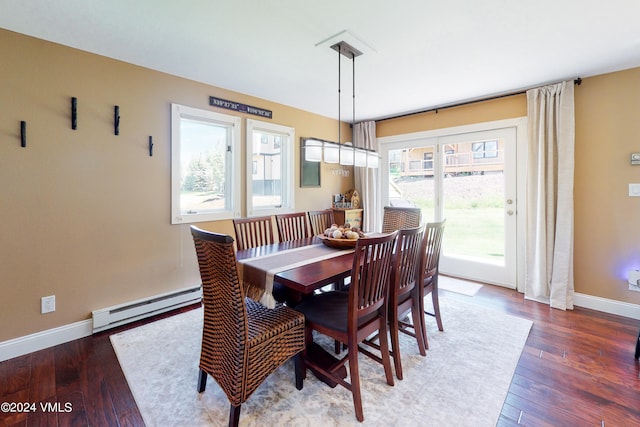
column 308, row 278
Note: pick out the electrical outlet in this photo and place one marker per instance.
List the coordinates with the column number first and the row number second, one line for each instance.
column 48, row 304
column 633, row 278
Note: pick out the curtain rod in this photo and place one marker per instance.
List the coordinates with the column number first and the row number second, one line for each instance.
column 577, row 81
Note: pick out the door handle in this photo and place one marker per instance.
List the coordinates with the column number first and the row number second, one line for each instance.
column 509, row 212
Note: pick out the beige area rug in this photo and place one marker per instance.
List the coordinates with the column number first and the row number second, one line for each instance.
column 462, row 381
column 459, row 286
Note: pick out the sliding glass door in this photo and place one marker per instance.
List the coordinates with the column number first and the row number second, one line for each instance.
column 469, row 178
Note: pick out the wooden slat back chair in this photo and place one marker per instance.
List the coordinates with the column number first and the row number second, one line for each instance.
column 320, row 220
column 253, row 232
column 405, row 293
column 397, row 218
column 243, row 342
column 431, row 248
column 350, row 317
column 292, row 226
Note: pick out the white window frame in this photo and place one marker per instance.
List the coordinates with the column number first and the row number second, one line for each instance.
column 287, row 152
column 232, row 165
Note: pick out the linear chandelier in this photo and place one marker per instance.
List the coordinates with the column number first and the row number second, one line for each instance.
column 346, row 154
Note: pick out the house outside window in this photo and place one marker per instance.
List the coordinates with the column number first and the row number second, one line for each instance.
column 415, row 165
column 427, row 163
column 485, row 149
column 270, row 166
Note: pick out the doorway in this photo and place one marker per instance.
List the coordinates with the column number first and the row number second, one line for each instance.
column 469, row 177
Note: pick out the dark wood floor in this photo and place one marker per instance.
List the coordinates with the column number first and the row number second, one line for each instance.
column 577, row 369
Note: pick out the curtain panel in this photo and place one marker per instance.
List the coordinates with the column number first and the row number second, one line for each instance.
column 550, row 174
column 367, row 180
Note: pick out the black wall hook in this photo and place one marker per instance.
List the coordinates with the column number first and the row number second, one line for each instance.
column 23, row 133
column 116, row 120
column 150, row 146
column 74, row 113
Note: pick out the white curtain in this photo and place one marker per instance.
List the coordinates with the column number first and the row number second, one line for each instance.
column 366, row 179
column 549, row 257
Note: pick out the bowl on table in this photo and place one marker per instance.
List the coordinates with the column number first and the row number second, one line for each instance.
column 338, row 243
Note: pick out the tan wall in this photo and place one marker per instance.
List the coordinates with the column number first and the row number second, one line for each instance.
column 607, row 221
column 86, row 214
column 504, row 108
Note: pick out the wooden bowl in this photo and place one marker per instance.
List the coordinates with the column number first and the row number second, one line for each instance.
column 338, row 243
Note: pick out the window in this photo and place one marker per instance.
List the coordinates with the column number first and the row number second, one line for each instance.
column 427, row 161
column 415, row 165
column 205, row 165
column 270, row 168
column 485, row 149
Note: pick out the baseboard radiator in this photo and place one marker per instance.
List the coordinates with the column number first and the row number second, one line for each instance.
column 121, row 314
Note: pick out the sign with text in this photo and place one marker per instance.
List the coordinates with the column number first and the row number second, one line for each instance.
column 236, row 106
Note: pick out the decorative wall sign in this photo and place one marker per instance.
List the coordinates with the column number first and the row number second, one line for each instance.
column 242, row 108
column 341, row 172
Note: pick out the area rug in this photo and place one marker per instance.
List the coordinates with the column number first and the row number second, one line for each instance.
column 462, row 381
column 458, row 286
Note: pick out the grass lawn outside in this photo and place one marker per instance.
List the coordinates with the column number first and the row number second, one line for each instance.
column 474, row 210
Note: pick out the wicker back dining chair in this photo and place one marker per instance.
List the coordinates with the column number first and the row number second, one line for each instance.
column 320, row 220
column 253, row 232
column 350, row 317
column 243, row 342
column 292, row 226
column 431, row 248
column 405, row 293
column 397, row 218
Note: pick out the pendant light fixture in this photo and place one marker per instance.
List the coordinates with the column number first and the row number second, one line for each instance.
column 343, row 153
column 346, row 155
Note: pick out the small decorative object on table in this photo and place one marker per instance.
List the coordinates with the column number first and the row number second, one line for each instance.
column 355, row 200
column 343, row 236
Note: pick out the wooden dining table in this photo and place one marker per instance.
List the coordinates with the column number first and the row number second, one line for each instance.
column 302, row 280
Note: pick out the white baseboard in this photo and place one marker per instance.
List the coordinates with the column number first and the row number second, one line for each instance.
column 607, row 305
column 45, row 339
column 60, row 335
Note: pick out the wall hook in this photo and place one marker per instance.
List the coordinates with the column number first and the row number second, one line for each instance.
column 23, row 133
column 150, row 146
column 116, row 120
column 74, row 113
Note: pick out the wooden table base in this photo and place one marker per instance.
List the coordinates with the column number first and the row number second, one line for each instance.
column 325, row 359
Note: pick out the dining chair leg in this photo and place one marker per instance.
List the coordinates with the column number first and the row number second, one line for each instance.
column 202, row 381
column 300, row 369
column 395, row 344
column 436, row 306
column 384, row 349
column 418, row 326
column 422, row 313
column 234, row 416
column 354, row 375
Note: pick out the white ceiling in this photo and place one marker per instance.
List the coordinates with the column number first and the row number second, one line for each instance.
column 418, row 54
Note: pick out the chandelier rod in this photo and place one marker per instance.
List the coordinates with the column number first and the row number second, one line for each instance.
column 353, row 77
